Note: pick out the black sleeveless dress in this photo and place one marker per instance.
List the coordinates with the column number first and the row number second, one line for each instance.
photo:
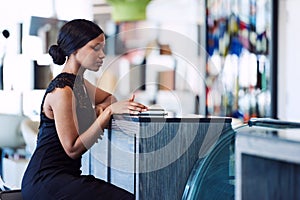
column 51, row 173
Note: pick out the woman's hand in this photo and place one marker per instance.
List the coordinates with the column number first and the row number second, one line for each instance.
column 127, row 106
column 99, row 109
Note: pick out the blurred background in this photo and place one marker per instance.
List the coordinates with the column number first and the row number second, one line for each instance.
column 231, row 58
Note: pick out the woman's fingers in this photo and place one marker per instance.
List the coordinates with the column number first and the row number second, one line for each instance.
column 137, row 106
column 128, row 106
column 99, row 110
column 132, row 97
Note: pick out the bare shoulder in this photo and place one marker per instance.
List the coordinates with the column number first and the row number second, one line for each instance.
column 57, row 99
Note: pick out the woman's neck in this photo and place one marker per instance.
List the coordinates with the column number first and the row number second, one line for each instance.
column 73, row 68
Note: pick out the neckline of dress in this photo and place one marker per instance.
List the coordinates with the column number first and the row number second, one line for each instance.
column 69, row 73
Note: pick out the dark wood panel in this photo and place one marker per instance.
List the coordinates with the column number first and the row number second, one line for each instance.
column 269, row 179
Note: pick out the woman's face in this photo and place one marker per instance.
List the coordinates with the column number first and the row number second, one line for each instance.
column 91, row 55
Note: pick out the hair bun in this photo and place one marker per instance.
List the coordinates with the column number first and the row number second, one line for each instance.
column 57, row 54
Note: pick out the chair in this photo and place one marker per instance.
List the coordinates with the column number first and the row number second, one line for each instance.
column 10, row 138
column 12, row 170
column 11, row 195
column 29, row 130
column 6, row 194
column 10, row 133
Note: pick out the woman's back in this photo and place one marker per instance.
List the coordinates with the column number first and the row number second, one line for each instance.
column 49, row 159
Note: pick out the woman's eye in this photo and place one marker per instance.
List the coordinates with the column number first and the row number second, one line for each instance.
column 98, row 47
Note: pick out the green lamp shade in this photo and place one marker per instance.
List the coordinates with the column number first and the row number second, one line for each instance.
column 128, row 10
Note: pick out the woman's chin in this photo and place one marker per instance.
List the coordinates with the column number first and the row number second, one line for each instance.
column 96, row 68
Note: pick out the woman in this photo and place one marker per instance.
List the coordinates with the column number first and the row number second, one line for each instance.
column 73, row 115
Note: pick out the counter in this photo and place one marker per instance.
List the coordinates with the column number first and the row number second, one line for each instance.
column 267, row 161
column 152, row 156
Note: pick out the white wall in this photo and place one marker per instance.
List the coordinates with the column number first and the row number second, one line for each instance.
column 288, row 60
column 288, row 47
column 14, row 12
column 18, row 68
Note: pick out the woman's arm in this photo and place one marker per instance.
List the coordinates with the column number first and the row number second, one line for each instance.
column 62, row 104
column 101, row 98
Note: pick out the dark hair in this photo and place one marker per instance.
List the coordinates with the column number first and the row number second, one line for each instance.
column 72, row 36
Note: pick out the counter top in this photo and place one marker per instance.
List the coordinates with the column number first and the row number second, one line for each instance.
column 289, row 136
column 272, row 129
column 171, row 118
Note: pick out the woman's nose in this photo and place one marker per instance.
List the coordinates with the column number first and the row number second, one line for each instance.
column 102, row 55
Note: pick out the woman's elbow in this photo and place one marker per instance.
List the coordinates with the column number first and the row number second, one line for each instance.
column 73, row 156
column 113, row 99
column 74, row 153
